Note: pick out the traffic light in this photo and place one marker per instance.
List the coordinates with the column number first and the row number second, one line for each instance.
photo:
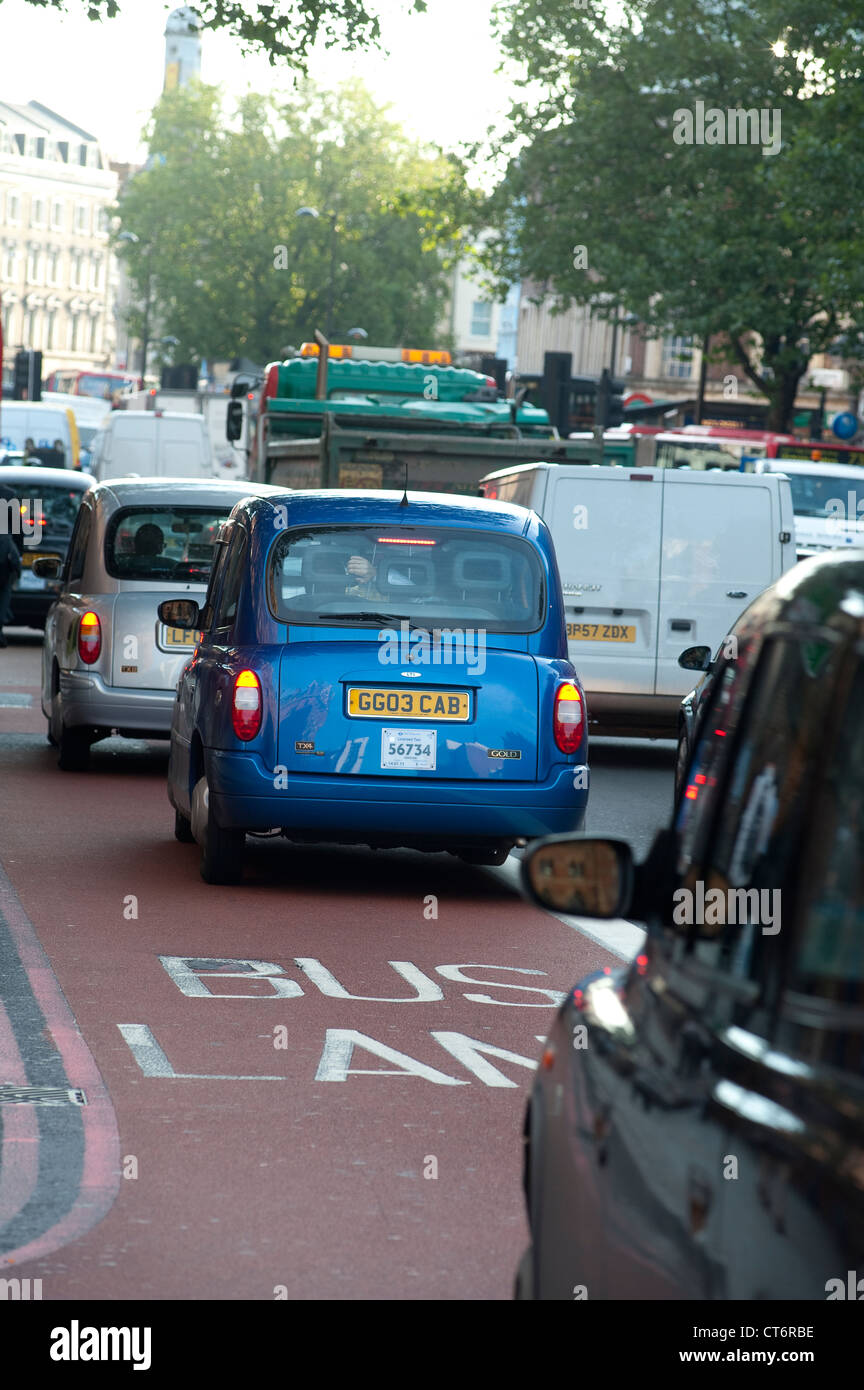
column 610, row 401
column 27, row 381
column 557, row 368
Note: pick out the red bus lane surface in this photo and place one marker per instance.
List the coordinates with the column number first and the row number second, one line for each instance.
column 318, row 1078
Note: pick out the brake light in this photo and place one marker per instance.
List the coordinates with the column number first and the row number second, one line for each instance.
column 246, row 705
column 569, row 718
column 402, row 540
column 89, row 638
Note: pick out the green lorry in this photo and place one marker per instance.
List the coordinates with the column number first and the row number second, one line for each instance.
column 376, row 422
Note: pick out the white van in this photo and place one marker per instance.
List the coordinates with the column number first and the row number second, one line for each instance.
column 43, row 422
column 828, row 499
column 652, row 561
column 162, row 443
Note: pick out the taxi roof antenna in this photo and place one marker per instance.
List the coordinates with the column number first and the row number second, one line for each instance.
column 404, row 502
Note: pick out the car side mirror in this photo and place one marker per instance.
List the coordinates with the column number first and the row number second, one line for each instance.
column 591, row 878
column 234, row 421
column 695, row 659
column 180, row 612
column 48, row 567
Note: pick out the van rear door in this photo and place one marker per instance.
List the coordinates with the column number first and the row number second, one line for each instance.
column 182, row 447
column 720, row 549
column 605, row 523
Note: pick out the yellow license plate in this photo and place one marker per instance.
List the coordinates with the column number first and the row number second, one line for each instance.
column 180, row 637
column 601, row 632
column 30, row 555
column 368, row 702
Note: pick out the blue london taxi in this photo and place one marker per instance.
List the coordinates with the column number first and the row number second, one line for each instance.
column 382, row 669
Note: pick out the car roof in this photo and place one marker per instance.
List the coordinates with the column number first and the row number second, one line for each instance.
column 203, row 491
column 828, row 470
column 44, row 477
column 827, row 588
column 368, row 506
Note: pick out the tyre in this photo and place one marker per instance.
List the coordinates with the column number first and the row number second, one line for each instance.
column 523, row 1287
column 183, row 829
column 221, row 850
column 74, row 750
column 493, row 855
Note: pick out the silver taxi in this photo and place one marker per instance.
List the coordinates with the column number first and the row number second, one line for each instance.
column 109, row 665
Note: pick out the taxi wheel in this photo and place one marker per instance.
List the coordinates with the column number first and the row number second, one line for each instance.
column 221, row 850
column 183, row 829
column 485, row 856
column 74, row 746
column 523, row 1285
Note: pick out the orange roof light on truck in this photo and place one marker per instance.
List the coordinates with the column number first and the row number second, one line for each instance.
column 430, row 357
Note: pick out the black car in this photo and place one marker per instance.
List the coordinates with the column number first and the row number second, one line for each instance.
column 44, row 503
column 696, row 1127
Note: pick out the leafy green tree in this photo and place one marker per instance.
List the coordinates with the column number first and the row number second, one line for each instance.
column 286, row 31
column 757, row 244
column 221, row 255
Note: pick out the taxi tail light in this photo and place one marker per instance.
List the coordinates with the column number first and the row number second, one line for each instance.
column 569, row 718
column 89, row 638
column 246, row 705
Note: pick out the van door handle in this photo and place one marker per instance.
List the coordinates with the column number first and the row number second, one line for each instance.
column 736, row 593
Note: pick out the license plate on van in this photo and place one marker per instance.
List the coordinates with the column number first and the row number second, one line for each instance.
column 601, row 632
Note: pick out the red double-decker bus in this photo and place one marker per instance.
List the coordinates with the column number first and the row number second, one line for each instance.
column 103, row 385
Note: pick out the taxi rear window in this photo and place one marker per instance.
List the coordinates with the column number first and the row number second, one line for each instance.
column 362, row 576
column 163, row 543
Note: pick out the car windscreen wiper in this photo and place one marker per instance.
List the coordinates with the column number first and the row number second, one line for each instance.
column 386, row 619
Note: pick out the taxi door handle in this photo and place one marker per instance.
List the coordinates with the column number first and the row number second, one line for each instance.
column 736, row 593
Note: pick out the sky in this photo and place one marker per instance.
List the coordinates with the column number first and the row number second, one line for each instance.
column 107, row 76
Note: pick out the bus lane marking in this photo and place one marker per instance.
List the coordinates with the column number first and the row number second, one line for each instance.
column 194, row 976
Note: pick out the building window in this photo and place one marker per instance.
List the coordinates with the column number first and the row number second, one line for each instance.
column 481, row 319
column 57, row 214
column 95, row 272
column 37, row 212
column 81, row 216
column 13, row 211
column 82, row 154
column 50, row 327
column 102, row 223
column 26, row 328
column 53, row 270
column 677, row 357
column 10, row 263
column 34, row 266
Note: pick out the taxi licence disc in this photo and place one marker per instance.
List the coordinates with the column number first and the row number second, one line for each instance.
column 178, row 638
column 372, row 702
column 601, row 632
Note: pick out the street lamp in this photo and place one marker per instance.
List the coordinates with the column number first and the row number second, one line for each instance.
column 331, row 217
